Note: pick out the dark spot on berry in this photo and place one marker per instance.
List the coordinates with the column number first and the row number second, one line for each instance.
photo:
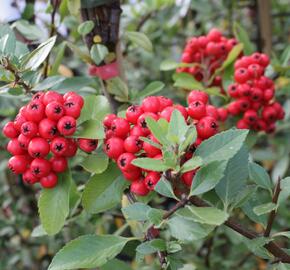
column 36, row 171
column 213, row 125
column 132, row 109
column 58, row 147
column 123, row 162
column 57, row 110
column 68, row 126
column 34, row 106
column 143, row 124
column 93, row 143
column 25, row 129
column 53, row 131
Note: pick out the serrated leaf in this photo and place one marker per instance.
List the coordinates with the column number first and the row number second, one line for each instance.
column 53, row 205
column 164, row 188
column 140, row 39
column 152, row 164
column 259, row 175
column 104, row 191
column 186, row 81
column 191, row 164
column 136, row 211
column 88, row 251
column 86, row 27
column 264, row 208
column 91, row 129
column 97, row 163
column 222, row 146
column 207, row 177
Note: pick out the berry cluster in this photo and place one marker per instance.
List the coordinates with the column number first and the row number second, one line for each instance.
column 254, row 95
column 123, row 142
column 208, row 52
column 38, row 137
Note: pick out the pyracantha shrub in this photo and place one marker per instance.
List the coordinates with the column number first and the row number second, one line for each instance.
column 129, row 138
column 39, row 137
column 254, row 95
column 206, row 53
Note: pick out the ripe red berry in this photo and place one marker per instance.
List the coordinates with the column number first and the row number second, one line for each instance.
column 40, row 167
column 242, row 124
column 214, row 35
column 197, row 109
column 29, row 178
column 243, row 104
column 151, row 150
column 268, row 94
column 38, row 96
column 120, row 127
column 18, row 164
column 54, row 110
column 142, row 121
column 164, row 102
column 139, row 187
column 241, row 75
column 18, row 121
column 125, row 162
column 108, row 120
column 114, row 147
column 47, row 128
column 14, row 148
column 49, row 181
column 29, row 129
column 23, row 141
column 197, row 95
column 75, row 98
column 133, row 113
column 38, row 147
column 257, row 95
column 223, row 114
column 132, row 175
column 51, row 96
column 250, row 117
column 58, row 164
column 269, row 114
column 34, row 111
column 72, row 148
column 137, row 131
column 152, row 179
column 233, row 90
column 10, row 131
column 255, row 71
column 58, row 146
column 233, row 108
column 212, row 111
column 87, row 145
column 66, row 125
column 132, row 144
column 207, row 127
column 187, row 177
column 151, row 104
column 260, row 125
column 72, row 108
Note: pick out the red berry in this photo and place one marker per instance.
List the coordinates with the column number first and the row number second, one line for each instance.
column 164, row 102
column 223, row 114
column 264, row 60
column 66, row 125
column 49, row 181
column 38, row 96
column 137, row 131
column 257, row 95
column 241, row 75
column 132, row 144
column 76, row 99
column 139, row 187
column 260, row 125
column 120, row 127
column 151, row 104
column 233, row 108
column 54, row 110
column 188, row 177
column 212, row 111
column 87, row 145
column 132, row 175
column 23, row 141
column 34, row 111
column 40, row 167
column 114, row 147
column 29, row 129
column 243, row 104
column 142, row 121
column 269, row 114
column 214, row 35
column 71, row 149
column 18, row 121
column 72, row 108
column 58, row 164
column 197, row 95
column 14, row 148
column 151, row 150
column 152, row 179
column 29, row 178
column 18, row 164
column 38, row 147
column 125, row 162
column 10, row 131
column 255, row 71
column 233, row 90
column 268, row 94
column 133, row 113
column 58, row 146
column 242, row 124
column 51, row 96
column 250, row 117
column 47, row 128
column 207, row 127
column 108, row 120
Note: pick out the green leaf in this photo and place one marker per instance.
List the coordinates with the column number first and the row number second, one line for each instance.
column 95, row 107
column 257, row 247
column 8, row 44
column 81, row 54
column 115, row 264
column 170, row 65
column 48, row 83
column 264, row 208
column 177, row 128
column 53, row 204
column 151, row 89
column 86, row 27
column 232, row 56
column 243, row 37
column 215, row 91
column 16, row 91
column 244, row 195
column 96, row 163
column 28, row 30
column 157, row 131
column 190, row 137
column 98, row 53
column 74, row 7
column 151, row 246
column 58, row 58
column 136, row 211
column 118, row 88
column 88, row 251
column 222, row 146
column 207, row 177
column 38, row 56
column 38, row 231
column 140, row 39
column 283, row 266
column 164, row 188
column 207, row 215
column 285, row 234
column 155, row 216
column 186, row 81
column 91, row 129
column 152, row 164
column 235, row 177
column 185, row 229
column 285, row 190
column 191, row 164
column 104, row 191
column 259, row 175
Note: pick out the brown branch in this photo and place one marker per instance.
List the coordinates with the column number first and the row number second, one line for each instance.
column 273, row 212
column 55, row 4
